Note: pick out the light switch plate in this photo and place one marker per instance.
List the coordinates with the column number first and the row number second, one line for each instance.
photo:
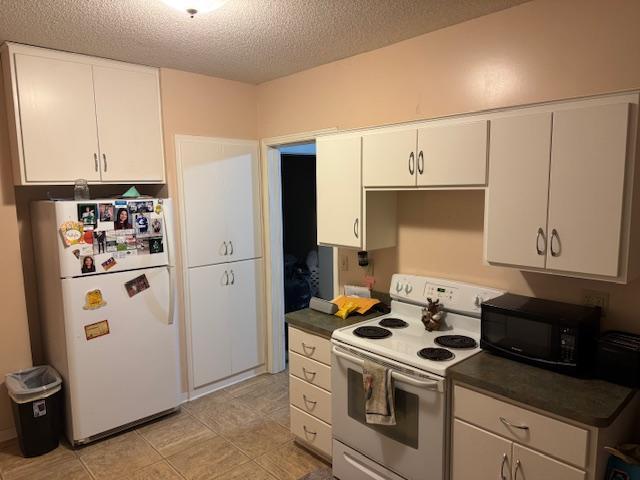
column 596, row 298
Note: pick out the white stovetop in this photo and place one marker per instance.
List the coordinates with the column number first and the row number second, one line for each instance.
column 404, row 343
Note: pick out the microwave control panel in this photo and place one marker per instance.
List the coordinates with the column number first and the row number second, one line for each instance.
column 567, row 345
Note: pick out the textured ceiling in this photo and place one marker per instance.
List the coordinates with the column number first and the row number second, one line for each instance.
column 247, row 40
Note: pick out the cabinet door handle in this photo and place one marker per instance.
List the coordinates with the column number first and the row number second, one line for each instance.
column 502, row 464
column 555, row 236
column 310, row 377
column 226, row 248
column 224, row 280
column 308, row 402
column 513, row 425
column 412, row 166
column 309, row 432
column 539, row 235
column 420, row 162
column 95, row 161
column 233, row 278
column 310, row 348
column 355, row 227
column 230, row 247
column 104, row 160
column 518, row 467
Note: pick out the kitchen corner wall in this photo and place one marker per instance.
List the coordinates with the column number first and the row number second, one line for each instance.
column 15, row 351
column 538, row 51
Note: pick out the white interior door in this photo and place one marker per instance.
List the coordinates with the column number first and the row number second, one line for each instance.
column 516, row 225
column 245, row 301
column 479, row 455
column 242, row 200
column 129, row 124
column 58, row 119
column 588, row 161
column 339, row 191
column 211, row 324
column 452, row 154
column 530, row 465
column 131, row 372
column 389, row 158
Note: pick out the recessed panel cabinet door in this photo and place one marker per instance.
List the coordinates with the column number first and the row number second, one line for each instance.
column 479, row 455
column 516, row 228
column 389, row 158
column 211, row 327
column 339, row 191
column 129, row 125
column 452, row 155
column 530, row 465
column 587, row 182
column 58, row 119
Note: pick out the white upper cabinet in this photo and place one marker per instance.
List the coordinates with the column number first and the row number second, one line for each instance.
column 516, row 216
column 587, row 182
column 129, row 128
column 452, row 154
column 59, row 138
column 73, row 116
column 389, row 158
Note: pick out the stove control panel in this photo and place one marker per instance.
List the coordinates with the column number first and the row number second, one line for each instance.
column 444, row 293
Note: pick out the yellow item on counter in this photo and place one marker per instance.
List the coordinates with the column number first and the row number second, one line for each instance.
column 347, row 305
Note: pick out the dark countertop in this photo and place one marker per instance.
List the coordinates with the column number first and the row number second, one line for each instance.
column 591, row 402
column 323, row 324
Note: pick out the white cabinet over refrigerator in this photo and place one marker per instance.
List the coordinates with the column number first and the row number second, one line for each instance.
column 106, row 291
column 222, row 256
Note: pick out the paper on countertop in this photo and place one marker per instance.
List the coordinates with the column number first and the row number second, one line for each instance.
column 363, row 305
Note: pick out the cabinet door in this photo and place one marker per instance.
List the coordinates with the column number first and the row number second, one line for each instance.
column 452, row 155
column 129, row 124
column 531, row 465
column 587, row 183
column 516, row 216
column 339, row 191
column 389, row 158
column 57, row 119
column 478, row 454
column 211, row 329
column 245, row 303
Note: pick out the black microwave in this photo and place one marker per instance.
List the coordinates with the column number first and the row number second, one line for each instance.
column 552, row 335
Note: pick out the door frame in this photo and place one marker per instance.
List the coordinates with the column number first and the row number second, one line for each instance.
column 273, row 242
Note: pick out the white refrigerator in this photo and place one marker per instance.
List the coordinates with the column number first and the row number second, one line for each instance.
column 107, row 306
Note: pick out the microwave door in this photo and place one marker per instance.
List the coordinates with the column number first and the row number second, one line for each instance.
column 520, row 336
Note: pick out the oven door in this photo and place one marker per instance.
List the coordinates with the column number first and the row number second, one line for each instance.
column 415, row 447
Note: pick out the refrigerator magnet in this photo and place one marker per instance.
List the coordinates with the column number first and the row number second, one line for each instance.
column 141, row 222
column 156, row 226
column 88, row 214
column 71, row 232
column 137, row 285
column 87, row 236
column 99, row 242
column 156, row 245
column 93, row 300
column 107, row 212
column 159, row 207
column 88, row 264
column 109, row 263
column 96, row 330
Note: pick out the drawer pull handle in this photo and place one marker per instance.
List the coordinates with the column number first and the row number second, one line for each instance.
column 308, row 402
column 518, row 468
column 310, row 377
column 513, row 425
column 502, row 464
column 308, row 432
column 306, row 347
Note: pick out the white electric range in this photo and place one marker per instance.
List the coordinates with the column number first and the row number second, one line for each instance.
column 415, row 448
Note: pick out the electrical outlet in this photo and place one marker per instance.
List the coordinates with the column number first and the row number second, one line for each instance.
column 344, row 263
column 597, row 299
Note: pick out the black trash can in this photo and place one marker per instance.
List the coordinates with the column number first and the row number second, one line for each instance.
column 36, row 395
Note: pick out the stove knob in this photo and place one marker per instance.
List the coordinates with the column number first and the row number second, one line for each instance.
column 408, row 289
column 398, row 287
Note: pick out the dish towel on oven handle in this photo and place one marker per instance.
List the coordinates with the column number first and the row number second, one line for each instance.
column 378, row 394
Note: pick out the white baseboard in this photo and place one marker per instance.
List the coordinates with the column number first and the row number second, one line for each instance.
column 7, row 434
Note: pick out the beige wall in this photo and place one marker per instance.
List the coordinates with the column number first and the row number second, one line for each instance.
column 538, row 51
column 206, row 106
column 14, row 332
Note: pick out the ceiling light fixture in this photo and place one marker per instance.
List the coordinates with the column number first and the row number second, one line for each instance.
column 192, row 7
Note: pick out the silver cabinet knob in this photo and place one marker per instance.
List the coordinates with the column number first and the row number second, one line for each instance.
column 555, row 236
column 540, row 235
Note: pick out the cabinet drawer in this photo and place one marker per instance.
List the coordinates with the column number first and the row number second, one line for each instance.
column 310, row 399
column 310, row 346
column 546, row 434
column 313, row 431
column 311, row 371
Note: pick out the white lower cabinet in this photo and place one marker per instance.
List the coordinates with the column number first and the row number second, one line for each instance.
column 531, row 465
column 478, row 454
column 226, row 319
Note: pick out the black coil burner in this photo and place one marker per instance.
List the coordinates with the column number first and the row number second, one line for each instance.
column 393, row 323
column 436, row 354
column 456, row 341
column 372, row 332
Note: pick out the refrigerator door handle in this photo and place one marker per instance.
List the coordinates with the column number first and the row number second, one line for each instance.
column 171, row 299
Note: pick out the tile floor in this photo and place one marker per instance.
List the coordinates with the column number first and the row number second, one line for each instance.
column 240, row 432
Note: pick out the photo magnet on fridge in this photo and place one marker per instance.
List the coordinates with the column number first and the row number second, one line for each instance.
column 137, row 285
column 156, row 245
column 93, row 300
column 99, row 242
column 88, row 214
column 109, row 263
column 88, row 264
column 156, row 226
column 96, row 330
column 107, row 212
column 122, row 221
column 141, row 206
column 88, row 234
column 141, row 222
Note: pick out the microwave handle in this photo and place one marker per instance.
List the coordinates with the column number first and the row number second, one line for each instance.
column 397, row 375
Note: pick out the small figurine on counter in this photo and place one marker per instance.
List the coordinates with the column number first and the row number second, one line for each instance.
column 432, row 315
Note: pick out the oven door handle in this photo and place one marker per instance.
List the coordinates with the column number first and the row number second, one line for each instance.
column 432, row 384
